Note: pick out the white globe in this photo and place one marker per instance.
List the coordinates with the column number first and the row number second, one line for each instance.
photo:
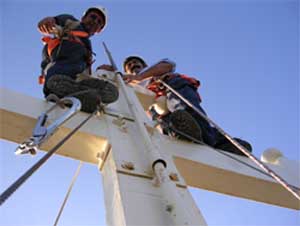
column 271, row 155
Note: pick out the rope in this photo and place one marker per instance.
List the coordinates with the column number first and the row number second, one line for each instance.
column 235, row 143
column 10, row 190
column 68, row 193
column 223, row 153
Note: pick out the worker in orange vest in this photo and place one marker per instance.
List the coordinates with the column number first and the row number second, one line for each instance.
column 67, row 55
column 181, row 117
column 185, row 122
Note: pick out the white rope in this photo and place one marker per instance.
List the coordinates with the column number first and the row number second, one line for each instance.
column 68, row 193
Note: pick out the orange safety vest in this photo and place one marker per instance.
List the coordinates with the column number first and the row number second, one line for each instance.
column 160, row 90
column 52, row 43
column 73, row 36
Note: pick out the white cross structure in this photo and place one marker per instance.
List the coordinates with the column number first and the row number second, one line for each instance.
column 125, row 147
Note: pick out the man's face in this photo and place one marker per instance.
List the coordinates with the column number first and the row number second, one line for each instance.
column 93, row 22
column 134, row 66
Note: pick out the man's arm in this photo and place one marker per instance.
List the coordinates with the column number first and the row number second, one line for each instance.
column 162, row 67
column 48, row 24
column 156, row 70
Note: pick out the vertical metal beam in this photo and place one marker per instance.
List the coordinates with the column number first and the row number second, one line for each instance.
column 133, row 200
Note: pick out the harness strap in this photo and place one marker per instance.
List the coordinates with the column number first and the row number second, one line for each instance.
column 160, row 90
column 194, row 82
column 51, row 42
column 81, row 34
column 73, row 36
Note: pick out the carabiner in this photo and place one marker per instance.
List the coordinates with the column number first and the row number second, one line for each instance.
column 41, row 133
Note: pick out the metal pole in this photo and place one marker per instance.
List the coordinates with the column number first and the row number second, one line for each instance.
column 177, row 211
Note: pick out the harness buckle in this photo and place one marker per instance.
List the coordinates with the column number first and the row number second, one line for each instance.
column 41, row 133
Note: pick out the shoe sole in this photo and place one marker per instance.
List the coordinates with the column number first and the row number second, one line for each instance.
column 184, row 123
column 108, row 91
column 89, row 100
column 62, row 86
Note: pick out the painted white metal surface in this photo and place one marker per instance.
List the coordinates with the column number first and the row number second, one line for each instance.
column 177, row 208
column 18, row 117
column 134, row 200
column 196, row 165
column 173, row 209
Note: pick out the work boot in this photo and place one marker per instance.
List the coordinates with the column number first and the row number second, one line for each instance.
column 89, row 99
column 185, row 126
column 62, row 85
column 108, row 92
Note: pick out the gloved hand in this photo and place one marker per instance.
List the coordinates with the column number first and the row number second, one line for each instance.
column 47, row 25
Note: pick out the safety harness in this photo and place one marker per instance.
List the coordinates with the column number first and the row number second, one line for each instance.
column 68, row 33
column 160, row 90
column 73, row 36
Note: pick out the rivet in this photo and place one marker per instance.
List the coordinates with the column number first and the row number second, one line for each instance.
column 174, row 177
column 128, row 165
column 169, row 208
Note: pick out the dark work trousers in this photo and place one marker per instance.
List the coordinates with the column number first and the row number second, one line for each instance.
column 190, row 93
column 63, row 68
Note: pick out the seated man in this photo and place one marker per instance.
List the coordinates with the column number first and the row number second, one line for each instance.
column 67, row 54
column 182, row 121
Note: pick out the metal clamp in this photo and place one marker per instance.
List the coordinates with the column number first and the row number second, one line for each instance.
column 41, row 133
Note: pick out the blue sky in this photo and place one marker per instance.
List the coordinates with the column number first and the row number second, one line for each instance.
column 245, row 53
